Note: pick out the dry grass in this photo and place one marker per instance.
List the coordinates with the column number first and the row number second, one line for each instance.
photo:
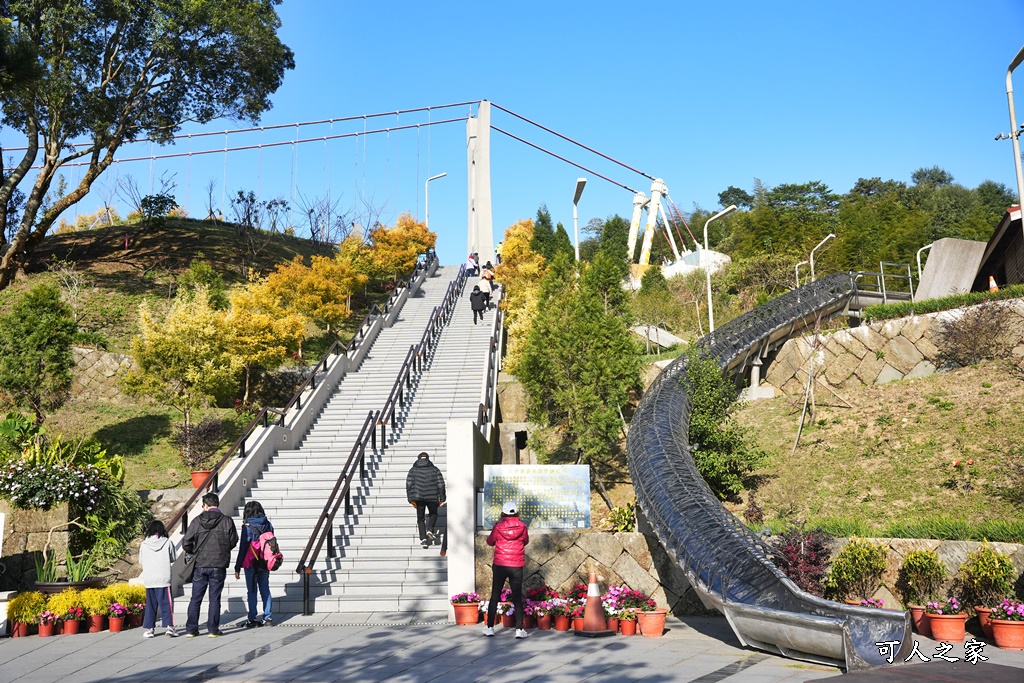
column 890, row 458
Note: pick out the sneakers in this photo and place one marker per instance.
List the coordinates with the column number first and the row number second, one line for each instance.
column 431, row 536
column 191, row 635
column 252, row 623
column 267, row 622
column 521, row 633
column 170, row 632
column 149, row 633
column 488, row 630
column 214, row 634
column 425, row 543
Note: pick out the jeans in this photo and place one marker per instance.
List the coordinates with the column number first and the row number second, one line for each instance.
column 477, row 314
column 258, row 578
column 515, row 582
column 158, row 599
column 426, row 508
column 206, row 577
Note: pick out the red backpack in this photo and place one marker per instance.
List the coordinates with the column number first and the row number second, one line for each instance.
column 264, row 552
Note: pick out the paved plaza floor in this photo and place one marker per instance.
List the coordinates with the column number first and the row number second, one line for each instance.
column 383, row 648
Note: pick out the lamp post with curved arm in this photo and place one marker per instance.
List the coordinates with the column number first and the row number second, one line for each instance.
column 829, row 236
column 707, row 265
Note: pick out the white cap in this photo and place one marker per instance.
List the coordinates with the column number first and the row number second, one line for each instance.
column 509, row 508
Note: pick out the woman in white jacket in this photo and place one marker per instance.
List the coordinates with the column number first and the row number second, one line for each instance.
column 156, row 556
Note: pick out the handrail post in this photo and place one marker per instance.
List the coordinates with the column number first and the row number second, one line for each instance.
column 349, row 510
column 241, row 449
column 306, row 609
column 330, row 544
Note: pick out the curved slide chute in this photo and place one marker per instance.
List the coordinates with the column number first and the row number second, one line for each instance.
column 726, row 563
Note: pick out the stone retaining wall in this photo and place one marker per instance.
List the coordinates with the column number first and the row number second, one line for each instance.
column 97, row 375
column 563, row 558
column 877, row 353
column 25, row 533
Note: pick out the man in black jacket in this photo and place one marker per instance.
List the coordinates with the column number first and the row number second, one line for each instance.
column 424, row 489
column 210, row 537
column 478, row 302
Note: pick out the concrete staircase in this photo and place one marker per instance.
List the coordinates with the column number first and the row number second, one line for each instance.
column 379, row 565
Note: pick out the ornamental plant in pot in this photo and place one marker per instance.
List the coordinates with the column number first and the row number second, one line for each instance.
column 627, row 622
column 919, row 578
column 96, row 602
column 47, row 621
column 198, row 443
column 856, row 571
column 985, row 579
column 467, row 608
column 117, row 614
column 946, row 620
column 1008, row 625
column 67, row 605
column 23, row 609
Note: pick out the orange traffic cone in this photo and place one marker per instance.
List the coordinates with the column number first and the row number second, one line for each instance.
column 992, row 286
column 594, row 624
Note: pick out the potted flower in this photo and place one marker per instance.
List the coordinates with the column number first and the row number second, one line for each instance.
column 576, row 610
column 1008, row 625
column 542, row 613
column 67, row 605
column 918, row 580
column 467, row 608
column 651, row 619
column 560, row 609
column 117, row 613
column 627, row 622
column 856, row 571
column 23, row 609
column 529, row 613
column 96, row 603
column 198, row 442
column 47, row 621
column 984, row 580
column 877, row 603
column 946, row 620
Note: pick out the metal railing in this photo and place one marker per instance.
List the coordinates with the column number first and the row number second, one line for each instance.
column 262, row 419
column 414, row 362
column 875, row 283
column 486, row 411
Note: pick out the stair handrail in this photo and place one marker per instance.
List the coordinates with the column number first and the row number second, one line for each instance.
column 323, row 530
column 212, row 480
column 486, row 411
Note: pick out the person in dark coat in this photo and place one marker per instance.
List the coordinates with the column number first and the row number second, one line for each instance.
column 210, row 537
column 509, row 538
column 424, row 489
column 478, row 302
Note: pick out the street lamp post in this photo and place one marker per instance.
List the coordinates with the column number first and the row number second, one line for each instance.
column 426, row 198
column 1014, row 131
column 797, row 272
column 829, row 236
column 707, row 265
column 580, row 184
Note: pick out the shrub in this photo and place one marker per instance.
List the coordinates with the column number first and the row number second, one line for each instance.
column 27, row 485
column 920, row 576
column 804, row 557
column 905, row 308
column 24, row 607
column 198, row 441
column 721, row 450
column 982, row 332
column 66, row 603
column 986, row 577
column 95, row 601
column 623, row 517
column 856, row 571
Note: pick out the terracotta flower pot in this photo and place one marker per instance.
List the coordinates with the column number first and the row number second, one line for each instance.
column 652, row 624
column 984, row 620
column 47, row 630
column 544, row 622
column 561, row 622
column 466, row 613
column 19, row 629
column 855, row 603
column 116, row 624
column 508, row 620
column 948, row 628
column 529, row 621
column 1009, row 635
column 627, row 627
column 612, row 623
column 133, row 621
column 920, row 620
column 71, row 627
column 97, row 622
column 199, row 478
column 577, row 623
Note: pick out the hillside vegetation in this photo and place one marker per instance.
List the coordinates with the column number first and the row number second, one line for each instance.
column 938, row 457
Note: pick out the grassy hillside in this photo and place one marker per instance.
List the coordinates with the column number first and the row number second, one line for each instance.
column 887, row 462
column 113, row 282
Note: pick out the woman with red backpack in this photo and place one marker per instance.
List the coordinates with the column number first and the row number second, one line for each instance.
column 257, row 575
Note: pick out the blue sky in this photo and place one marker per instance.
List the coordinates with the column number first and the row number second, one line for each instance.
column 704, row 95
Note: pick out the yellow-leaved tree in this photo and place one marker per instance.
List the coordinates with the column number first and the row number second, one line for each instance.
column 262, row 334
column 394, row 250
column 520, row 273
column 318, row 292
column 184, row 360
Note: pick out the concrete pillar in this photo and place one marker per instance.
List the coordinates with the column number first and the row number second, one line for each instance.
column 461, row 520
column 755, row 372
column 478, row 158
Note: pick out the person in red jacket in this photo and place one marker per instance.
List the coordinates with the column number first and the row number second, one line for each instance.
column 509, row 538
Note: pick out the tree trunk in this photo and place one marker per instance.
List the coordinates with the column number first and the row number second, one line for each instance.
column 248, row 372
column 600, row 488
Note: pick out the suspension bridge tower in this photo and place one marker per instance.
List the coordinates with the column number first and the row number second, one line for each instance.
column 478, row 150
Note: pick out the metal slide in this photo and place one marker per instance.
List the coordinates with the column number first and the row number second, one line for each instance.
column 727, row 565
